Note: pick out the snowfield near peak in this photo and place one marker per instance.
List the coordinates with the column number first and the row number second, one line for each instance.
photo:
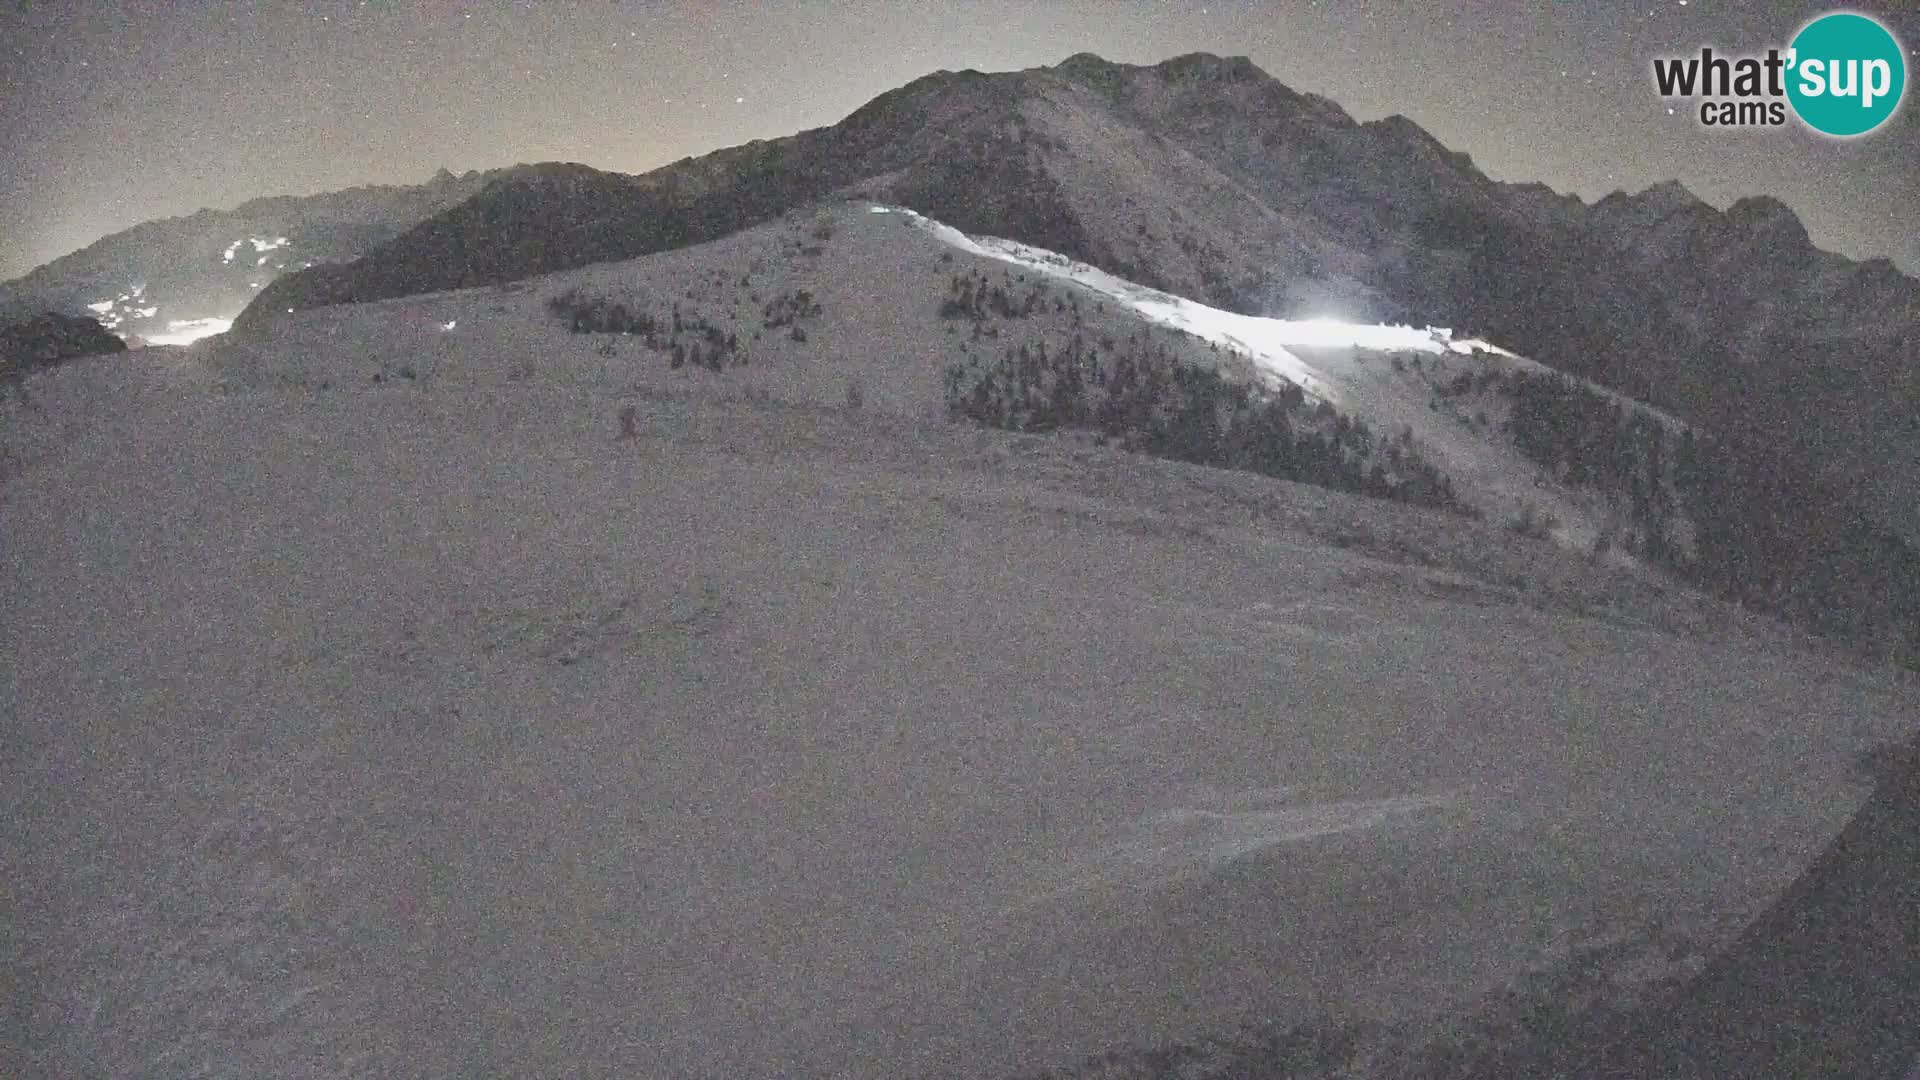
column 1266, row 341
column 1356, row 367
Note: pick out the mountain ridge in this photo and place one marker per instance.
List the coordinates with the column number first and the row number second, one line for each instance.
column 205, row 266
column 1394, row 412
column 1203, row 176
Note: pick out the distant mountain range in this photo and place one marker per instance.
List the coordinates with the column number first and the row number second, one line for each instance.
column 180, row 277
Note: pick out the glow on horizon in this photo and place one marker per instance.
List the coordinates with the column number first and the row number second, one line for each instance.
column 188, row 331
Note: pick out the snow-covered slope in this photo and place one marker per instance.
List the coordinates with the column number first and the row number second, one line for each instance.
column 1207, row 177
column 1383, row 374
column 878, row 287
column 878, row 291
column 429, row 727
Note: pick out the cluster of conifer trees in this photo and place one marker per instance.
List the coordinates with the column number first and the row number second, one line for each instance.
column 1139, row 393
column 1584, row 438
column 685, row 339
column 976, row 297
column 788, row 309
column 1766, row 533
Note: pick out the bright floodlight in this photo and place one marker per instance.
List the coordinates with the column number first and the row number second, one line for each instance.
column 187, row 331
column 1335, row 333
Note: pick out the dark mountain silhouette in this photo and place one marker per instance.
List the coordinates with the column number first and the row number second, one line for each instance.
column 1825, row 983
column 43, row 340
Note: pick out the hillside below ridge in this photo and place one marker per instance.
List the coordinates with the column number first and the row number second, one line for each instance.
column 1204, row 178
column 1207, row 178
column 872, row 302
column 453, row 693
column 878, row 312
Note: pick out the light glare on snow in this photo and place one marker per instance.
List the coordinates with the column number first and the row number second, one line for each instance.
column 1266, row 342
column 259, row 245
column 187, row 331
column 1334, row 333
column 1474, row 345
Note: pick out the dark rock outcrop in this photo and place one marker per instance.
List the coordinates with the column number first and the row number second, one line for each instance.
column 45, row 340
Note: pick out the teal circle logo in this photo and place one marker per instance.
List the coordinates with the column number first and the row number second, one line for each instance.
column 1846, row 74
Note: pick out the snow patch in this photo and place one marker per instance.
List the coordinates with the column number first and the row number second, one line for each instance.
column 1183, row 841
column 187, row 331
column 1268, row 343
column 259, row 244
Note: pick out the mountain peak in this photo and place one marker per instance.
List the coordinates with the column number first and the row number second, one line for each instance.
column 1766, row 222
column 1204, row 65
column 1766, row 212
column 1656, row 203
column 1096, row 71
column 1404, row 130
column 1669, row 195
column 1087, row 63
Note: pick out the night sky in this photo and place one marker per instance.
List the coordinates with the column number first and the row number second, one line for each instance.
column 112, row 114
